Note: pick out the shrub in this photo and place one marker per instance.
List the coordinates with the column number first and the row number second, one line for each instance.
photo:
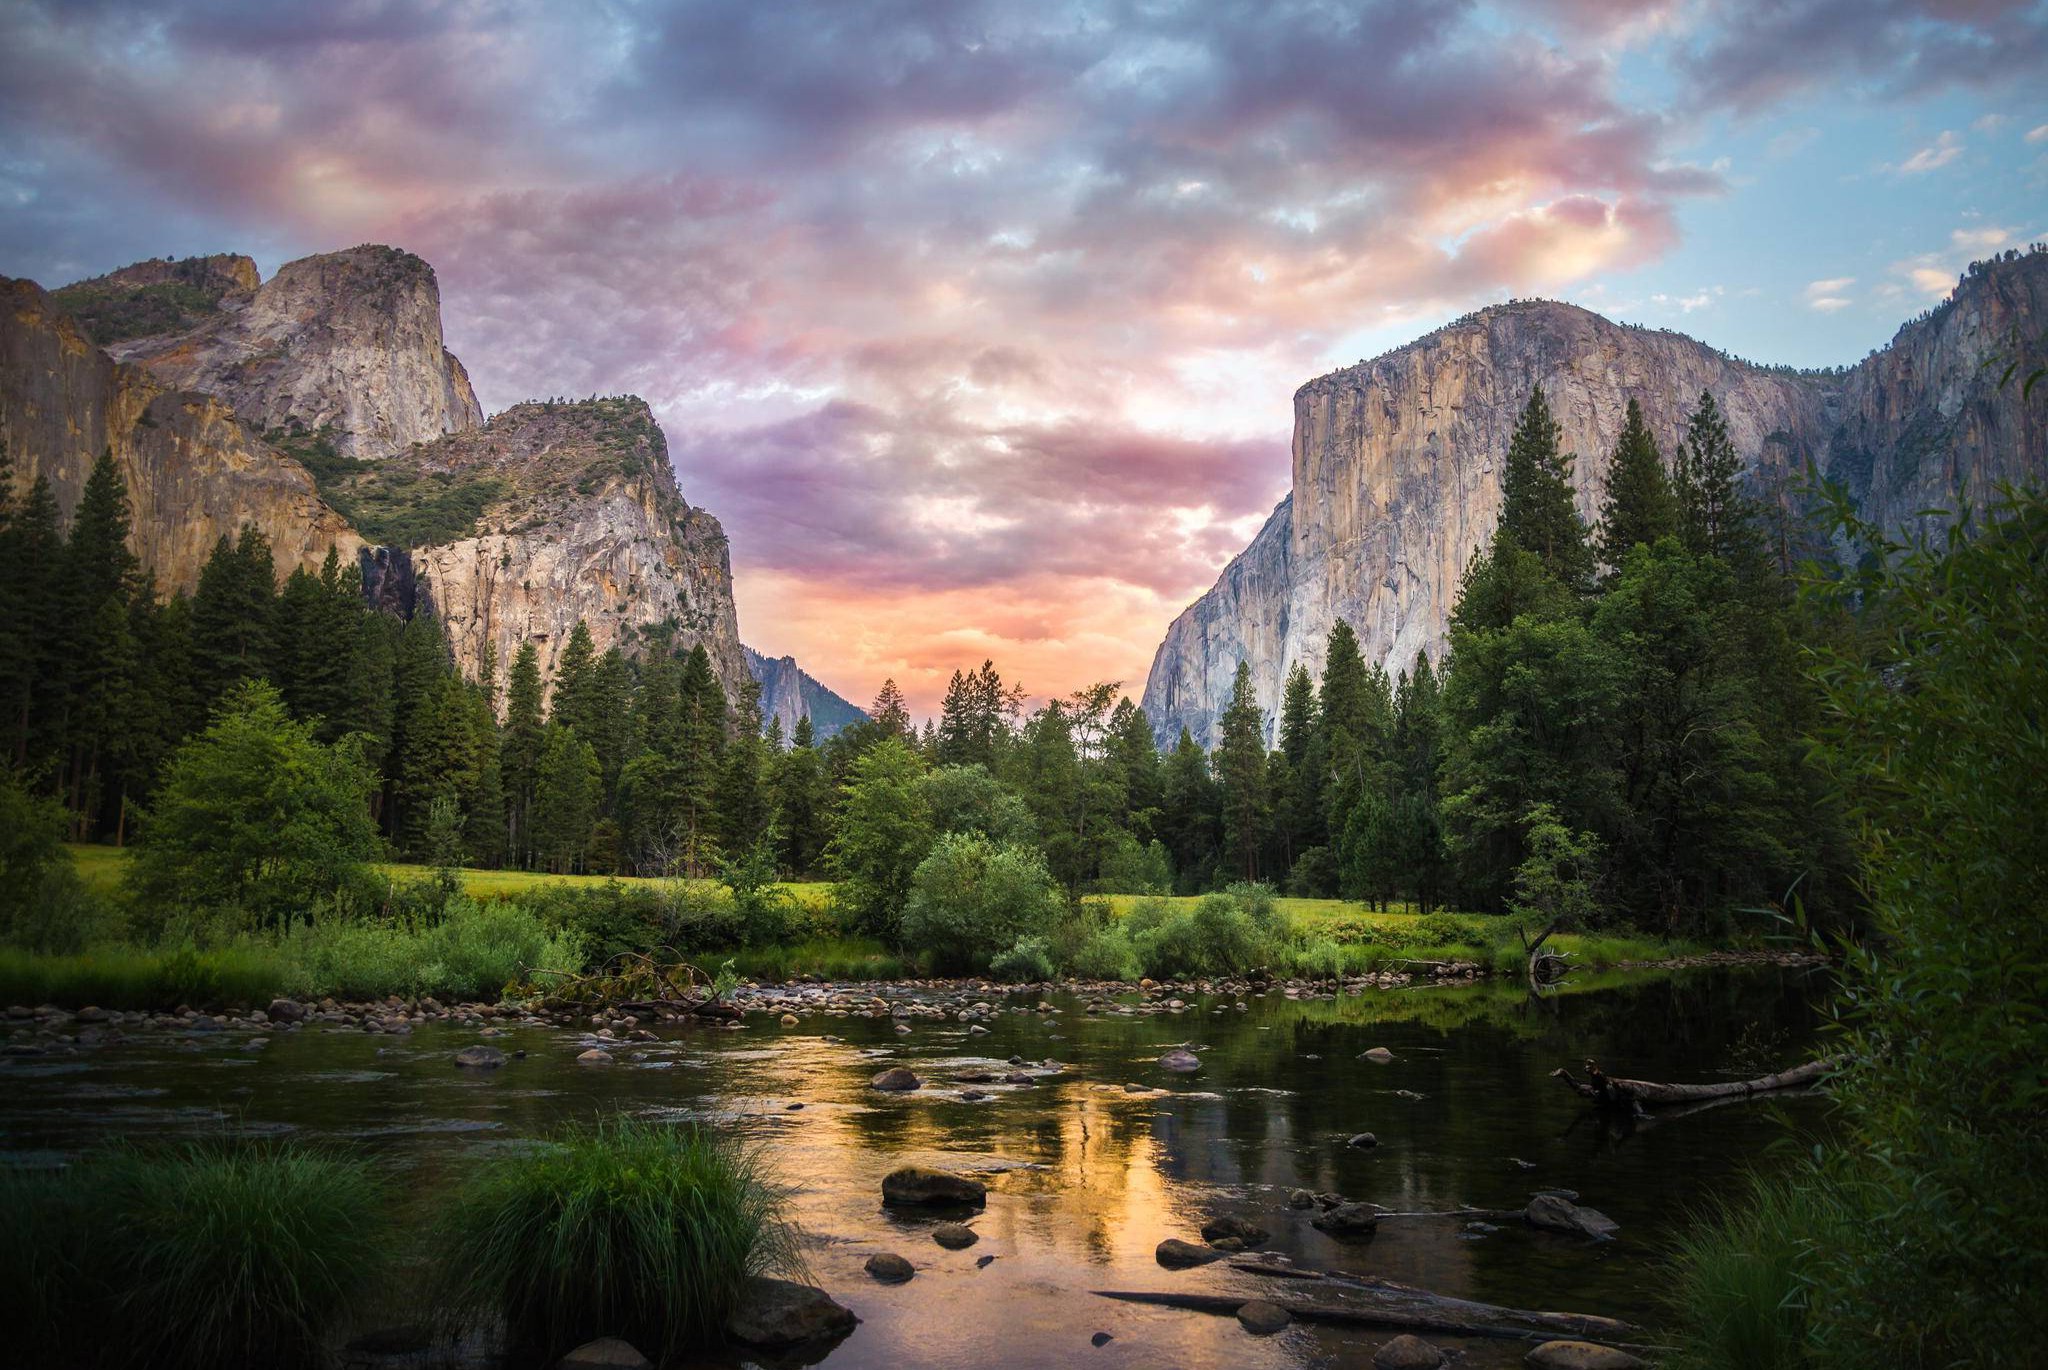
column 208, row 1256
column 1106, row 954
column 1740, row 1277
column 1131, row 868
column 971, row 897
column 1029, row 959
column 1233, row 930
column 626, row 1229
column 128, row 978
column 474, row 951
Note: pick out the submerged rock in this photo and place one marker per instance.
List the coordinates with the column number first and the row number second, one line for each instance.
column 606, row 1353
column 1175, row 1254
column 914, row 1185
column 890, row 1268
column 1581, row 1355
column 1407, row 1352
column 955, row 1236
column 1181, row 1060
column 1555, row 1213
column 1347, row 1220
column 480, row 1058
column 776, row 1313
column 1378, row 1056
column 596, row 1056
column 1363, row 1140
column 1230, row 1226
column 897, row 1079
column 1263, row 1319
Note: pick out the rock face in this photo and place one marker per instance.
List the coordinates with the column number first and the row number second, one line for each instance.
column 580, row 519
column 1397, row 463
column 195, row 471
column 349, row 342
column 790, row 693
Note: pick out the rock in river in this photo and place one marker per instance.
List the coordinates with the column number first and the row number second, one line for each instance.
column 1227, row 1226
column 890, row 1268
column 1175, row 1254
column 606, row 1353
column 1378, row 1056
column 480, row 1058
column 915, row 1185
column 1263, row 1319
column 896, row 1079
column 1555, row 1213
column 1581, row 1355
column 1363, row 1140
column 595, row 1057
column 1407, row 1352
column 955, row 1236
column 1180, row 1059
column 777, row 1313
column 1347, row 1220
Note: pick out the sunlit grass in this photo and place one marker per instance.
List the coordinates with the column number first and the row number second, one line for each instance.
column 625, row 1229
column 828, row 958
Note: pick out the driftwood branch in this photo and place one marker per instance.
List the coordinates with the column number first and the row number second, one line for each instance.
column 1612, row 1091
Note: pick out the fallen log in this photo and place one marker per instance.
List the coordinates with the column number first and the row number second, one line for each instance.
column 1343, row 1301
column 1614, row 1092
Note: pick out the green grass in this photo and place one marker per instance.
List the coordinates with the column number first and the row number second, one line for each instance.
column 828, row 958
column 625, row 1229
column 133, row 978
column 218, row 1255
column 1740, row 1292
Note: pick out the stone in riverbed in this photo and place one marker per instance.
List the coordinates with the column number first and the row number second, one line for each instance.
column 1263, row 1319
column 1229, row 1226
column 1378, row 1056
column 480, row 1058
column 1555, row 1213
column 890, row 1268
column 606, row 1353
column 955, row 1236
column 1181, row 1060
column 1407, row 1352
column 896, row 1079
column 1347, row 1220
column 777, row 1313
column 914, row 1185
column 1175, row 1254
column 1363, row 1140
column 788, row 1020
column 594, row 1057
column 1301, row 1198
column 1581, row 1355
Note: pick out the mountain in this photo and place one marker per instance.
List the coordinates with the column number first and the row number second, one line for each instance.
column 195, row 470
column 322, row 407
column 789, row 692
column 1396, row 463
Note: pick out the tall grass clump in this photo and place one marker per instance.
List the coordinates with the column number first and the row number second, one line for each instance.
column 131, row 978
column 472, row 951
column 625, row 1229
column 43, row 1234
column 212, row 1256
column 1741, row 1277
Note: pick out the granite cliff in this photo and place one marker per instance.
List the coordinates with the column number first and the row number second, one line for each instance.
column 195, row 470
column 789, row 693
column 1396, row 463
column 347, row 343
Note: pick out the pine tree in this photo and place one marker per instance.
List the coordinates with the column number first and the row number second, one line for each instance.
column 31, row 560
column 1241, row 776
column 1538, row 512
column 99, row 574
column 803, row 798
column 746, row 804
column 889, row 714
column 1136, row 756
column 1189, row 813
column 520, row 749
column 231, row 613
column 575, row 673
column 1639, row 506
column 1717, row 519
column 566, row 793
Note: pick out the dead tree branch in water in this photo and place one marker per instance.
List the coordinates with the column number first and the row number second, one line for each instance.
column 1613, row 1092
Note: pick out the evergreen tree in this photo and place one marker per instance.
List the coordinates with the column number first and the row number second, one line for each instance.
column 884, row 830
column 99, row 574
column 1639, row 506
column 746, row 802
column 1241, row 776
column 1136, row 757
column 1538, row 512
column 574, row 699
column 520, row 749
column 1716, row 518
column 1189, row 813
column 567, row 788
column 889, row 714
column 803, row 798
column 231, row 613
column 31, row 617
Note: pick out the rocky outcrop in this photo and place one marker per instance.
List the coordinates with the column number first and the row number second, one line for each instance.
column 580, row 519
column 157, row 296
column 345, row 342
column 1396, row 463
column 195, row 471
column 790, row 693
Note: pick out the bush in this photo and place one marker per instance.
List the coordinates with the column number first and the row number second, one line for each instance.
column 971, row 897
column 128, row 978
column 1030, row 959
column 1228, row 932
column 627, row 1229
column 473, row 952
column 1740, row 1277
column 210, row 1256
column 1131, row 868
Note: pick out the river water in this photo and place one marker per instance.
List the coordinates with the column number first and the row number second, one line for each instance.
column 1085, row 1177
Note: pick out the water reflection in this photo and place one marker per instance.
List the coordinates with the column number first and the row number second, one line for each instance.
column 1085, row 1177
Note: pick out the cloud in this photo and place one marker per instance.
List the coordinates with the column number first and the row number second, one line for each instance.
column 1827, row 296
column 2038, row 134
column 1936, row 155
column 1686, row 304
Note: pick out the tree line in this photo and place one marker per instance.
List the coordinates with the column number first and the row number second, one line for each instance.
column 1616, row 727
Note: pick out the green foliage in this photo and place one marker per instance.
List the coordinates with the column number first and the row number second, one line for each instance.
column 111, row 313
column 210, row 1255
column 254, row 814
column 1231, row 931
column 1741, row 1275
column 237, row 976
column 1554, row 883
column 762, row 910
column 1029, row 960
column 970, row 898
column 1241, row 777
column 44, row 906
column 885, row 831
column 1538, row 512
column 394, row 505
column 473, row 951
column 624, row 1229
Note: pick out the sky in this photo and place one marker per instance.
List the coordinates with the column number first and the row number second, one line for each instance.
column 978, row 324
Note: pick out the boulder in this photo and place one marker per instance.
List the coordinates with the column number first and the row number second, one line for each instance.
column 1363, row 1140
column 776, row 1313
column 1263, row 1319
column 594, row 1057
column 1407, row 1352
column 1347, row 1220
column 1228, row 1226
column 606, row 1353
column 480, row 1058
column 1180, row 1060
column 897, row 1080
column 1175, row 1254
column 788, row 1020
column 1581, row 1355
column 1378, row 1056
column 914, row 1185
column 955, row 1236
column 1301, row 1198
column 890, row 1268
column 1555, row 1213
